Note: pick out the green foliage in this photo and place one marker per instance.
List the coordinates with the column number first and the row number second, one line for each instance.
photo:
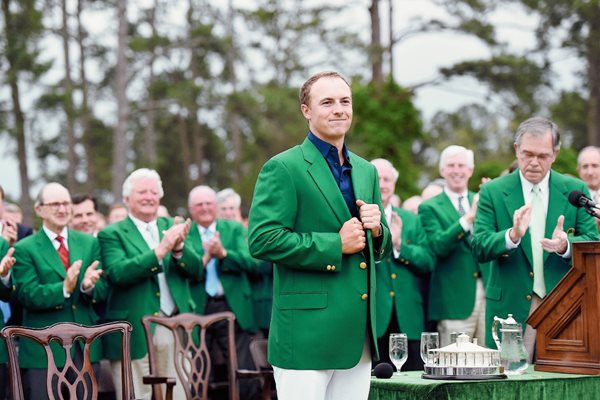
column 570, row 113
column 387, row 125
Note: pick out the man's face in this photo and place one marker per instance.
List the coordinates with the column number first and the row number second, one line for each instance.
column 456, row 172
column 229, row 210
column 535, row 156
column 203, row 208
column 329, row 112
column 144, row 199
column 84, row 217
column 387, row 183
column 56, row 210
column 589, row 168
column 116, row 215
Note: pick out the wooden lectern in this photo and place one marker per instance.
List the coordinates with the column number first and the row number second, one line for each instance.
column 568, row 319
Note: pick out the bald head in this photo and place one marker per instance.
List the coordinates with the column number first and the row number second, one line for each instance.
column 53, row 206
column 202, row 205
column 588, row 166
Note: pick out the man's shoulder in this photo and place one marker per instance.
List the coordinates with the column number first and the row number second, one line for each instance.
column 30, row 240
column 404, row 214
column 501, row 182
column 435, row 201
column 115, row 227
column 81, row 237
column 556, row 178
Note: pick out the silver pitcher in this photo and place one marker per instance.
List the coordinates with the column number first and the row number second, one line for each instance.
column 513, row 354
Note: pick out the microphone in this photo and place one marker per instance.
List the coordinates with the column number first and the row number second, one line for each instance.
column 578, row 199
column 383, row 371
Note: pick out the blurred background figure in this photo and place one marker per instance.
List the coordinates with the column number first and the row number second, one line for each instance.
column 117, row 212
column 412, row 204
column 13, row 212
column 433, row 189
column 229, row 205
column 85, row 214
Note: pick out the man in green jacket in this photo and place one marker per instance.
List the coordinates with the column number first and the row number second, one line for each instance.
column 316, row 214
column 148, row 267
column 57, row 279
column 525, row 226
column 456, row 292
column 224, row 285
column 399, row 300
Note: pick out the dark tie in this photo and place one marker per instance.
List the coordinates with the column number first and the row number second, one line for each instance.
column 63, row 253
column 460, row 208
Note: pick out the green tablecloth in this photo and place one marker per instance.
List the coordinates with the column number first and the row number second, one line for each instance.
column 532, row 385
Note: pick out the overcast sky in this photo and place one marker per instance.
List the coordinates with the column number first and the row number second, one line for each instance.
column 417, row 60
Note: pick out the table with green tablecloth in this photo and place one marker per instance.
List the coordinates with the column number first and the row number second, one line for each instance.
column 532, row 385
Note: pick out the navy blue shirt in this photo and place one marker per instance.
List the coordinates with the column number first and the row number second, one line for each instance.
column 341, row 173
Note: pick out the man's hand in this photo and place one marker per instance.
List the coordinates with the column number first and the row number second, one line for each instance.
column 7, row 262
column 470, row 216
column 521, row 218
column 9, row 232
column 370, row 217
column 91, row 275
column 173, row 238
column 353, row 236
column 559, row 242
column 215, row 247
column 72, row 275
column 396, row 230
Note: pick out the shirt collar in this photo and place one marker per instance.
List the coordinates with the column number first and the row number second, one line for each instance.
column 528, row 186
column 141, row 225
column 325, row 148
column 211, row 228
column 453, row 195
column 52, row 235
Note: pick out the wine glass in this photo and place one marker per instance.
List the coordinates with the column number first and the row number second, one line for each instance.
column 429, row 340
column 398, row 350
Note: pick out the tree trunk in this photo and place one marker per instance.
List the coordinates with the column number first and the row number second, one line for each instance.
column 12, row 77
column 185, row 148
column 121, row 142
column 391, row 38
column 593, row 49
column 68, row 100
column 233, row 120
column 150, row 154
column 86, row 118
column 376, row 50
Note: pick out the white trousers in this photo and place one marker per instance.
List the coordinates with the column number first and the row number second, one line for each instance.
column 329, row 384
column 474, row 325
column 164, row 346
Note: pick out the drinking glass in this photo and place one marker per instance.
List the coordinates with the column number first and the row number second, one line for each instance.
column 398, row 350
column 429, row 340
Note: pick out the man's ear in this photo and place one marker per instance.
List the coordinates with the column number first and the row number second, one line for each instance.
column 305, row 111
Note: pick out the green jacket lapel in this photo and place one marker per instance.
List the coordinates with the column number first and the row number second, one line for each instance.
column 323, row 178
column 52, row 258
column 514, row 200
column 134, row 237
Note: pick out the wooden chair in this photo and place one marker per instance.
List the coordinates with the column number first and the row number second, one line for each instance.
column 258, row 350
column 192, row 358
column 68, row 334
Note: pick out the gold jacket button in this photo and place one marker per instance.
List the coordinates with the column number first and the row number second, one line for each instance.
column 156, row 314
column 153, row 269
column 531, row 274
column 94, row 301
column 329, row 268
column 393, row 275
column 392, row 294
column 157, row 294
column 363, row 265
column 528, row 297
column 182, row 265
column 461, row 235
column 74, row 307
column 364, row 296
column 333, row 267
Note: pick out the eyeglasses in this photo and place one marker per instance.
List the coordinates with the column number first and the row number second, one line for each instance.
column 55, row 206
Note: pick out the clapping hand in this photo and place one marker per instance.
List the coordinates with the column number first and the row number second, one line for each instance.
column 7, row 262
column 559, row 241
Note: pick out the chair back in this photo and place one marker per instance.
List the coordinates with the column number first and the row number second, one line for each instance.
column 192, row 358
column 71, row 381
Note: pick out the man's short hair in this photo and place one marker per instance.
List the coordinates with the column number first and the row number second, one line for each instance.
column 454, row 150
column 81, row 197
column 305, row 89
column 538, row 126
column 228, row 193
column 585, row 150
column 385, row 163
column 141, row 174
column 201, row 188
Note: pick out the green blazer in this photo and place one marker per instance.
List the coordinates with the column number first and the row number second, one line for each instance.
column 38, row 277
column 232, row 272
column 5, row 295
column 322, row 299
column 132, row 270
column 510, row 284
column 453, row 280
column 397, row 279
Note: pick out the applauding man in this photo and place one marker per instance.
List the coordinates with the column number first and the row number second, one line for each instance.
column 57, row 278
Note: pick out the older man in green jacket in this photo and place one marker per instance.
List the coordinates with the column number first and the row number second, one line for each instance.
column 525, row 226
column 316, row 214
column 148, row 267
